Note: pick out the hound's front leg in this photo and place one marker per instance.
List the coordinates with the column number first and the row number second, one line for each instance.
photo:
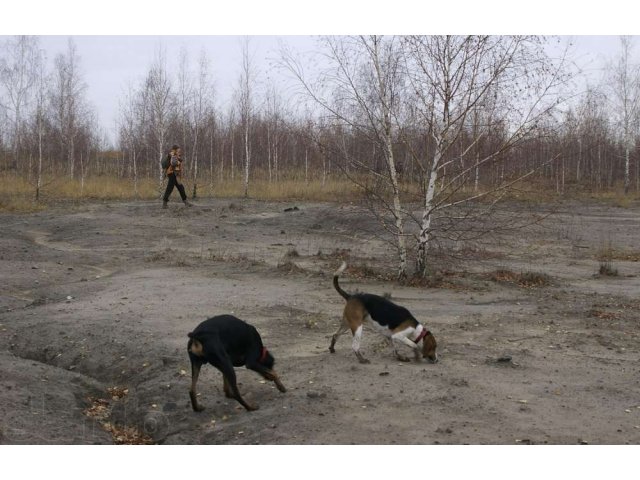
column 400, row 339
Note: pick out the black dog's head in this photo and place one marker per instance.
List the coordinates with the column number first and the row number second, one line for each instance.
column 194, row 346
column 266, row 359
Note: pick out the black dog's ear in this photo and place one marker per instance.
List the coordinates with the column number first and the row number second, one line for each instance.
column 190, row 334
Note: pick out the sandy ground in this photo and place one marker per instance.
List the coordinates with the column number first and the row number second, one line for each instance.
column 97, row 300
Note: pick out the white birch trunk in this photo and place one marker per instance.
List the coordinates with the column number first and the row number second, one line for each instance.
column 269, row 152
column 425, row 225
column 39, row 177
column 247, row 159
column 626, row 167
column 233, row 168
column 306, row 166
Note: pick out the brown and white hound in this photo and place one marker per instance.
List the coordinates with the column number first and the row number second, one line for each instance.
column 393, row 321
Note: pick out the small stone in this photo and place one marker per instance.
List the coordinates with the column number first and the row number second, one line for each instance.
column 504, row 359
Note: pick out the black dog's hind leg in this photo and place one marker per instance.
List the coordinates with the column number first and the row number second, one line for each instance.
column 225, row 386
column 196, row 363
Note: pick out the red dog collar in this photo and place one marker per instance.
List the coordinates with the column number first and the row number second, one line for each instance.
column 263, row 356
column 423, row 334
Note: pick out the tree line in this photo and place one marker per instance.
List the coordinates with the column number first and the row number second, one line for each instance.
column 45, row 118
column 435, row 121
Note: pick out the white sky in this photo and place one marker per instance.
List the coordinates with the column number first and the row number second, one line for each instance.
column 109, row 63
column 111, row 57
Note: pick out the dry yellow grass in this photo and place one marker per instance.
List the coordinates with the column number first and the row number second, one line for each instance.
column 616, row 197
column 18, row 195
column 288, row 189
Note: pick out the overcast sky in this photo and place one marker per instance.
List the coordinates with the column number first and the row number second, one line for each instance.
column 110, row 61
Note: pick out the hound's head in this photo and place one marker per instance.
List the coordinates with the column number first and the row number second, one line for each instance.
column 429, row 347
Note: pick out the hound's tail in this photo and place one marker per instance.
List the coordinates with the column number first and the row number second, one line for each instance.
column 337, row 274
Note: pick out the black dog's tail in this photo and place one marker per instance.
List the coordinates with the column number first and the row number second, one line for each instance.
column 337, row 274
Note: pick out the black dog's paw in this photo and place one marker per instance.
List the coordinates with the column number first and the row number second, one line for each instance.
column 198, row 408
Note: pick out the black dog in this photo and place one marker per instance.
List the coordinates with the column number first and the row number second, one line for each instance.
column 225, row 342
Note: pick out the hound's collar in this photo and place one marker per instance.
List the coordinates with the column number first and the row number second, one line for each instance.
column 263, row 355
column 423, row 334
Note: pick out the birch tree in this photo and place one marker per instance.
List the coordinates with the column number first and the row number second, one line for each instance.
column 67, row 101
column 40, row 113
column 184, row 100
column 18, row 75
column 201, row 108
column 245, row 95
column 160, row 103
column 129, row 113
column 362, row 90
column 625, row 82
column 451, row 77
column 274, row 111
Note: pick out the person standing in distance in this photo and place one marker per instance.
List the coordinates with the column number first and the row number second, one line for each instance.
column 173, row 170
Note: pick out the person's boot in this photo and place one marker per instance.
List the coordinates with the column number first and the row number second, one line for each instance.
column 187, row 203
column 164, row 204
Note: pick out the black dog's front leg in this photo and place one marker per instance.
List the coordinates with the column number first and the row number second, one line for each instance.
column 195, row 372
column 268, row 374
column 230, row 379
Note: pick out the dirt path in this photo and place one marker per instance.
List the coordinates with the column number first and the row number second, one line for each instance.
column 102, row 296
